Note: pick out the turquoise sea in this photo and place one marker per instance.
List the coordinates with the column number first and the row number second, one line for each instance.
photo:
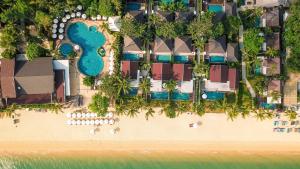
column 138, row 161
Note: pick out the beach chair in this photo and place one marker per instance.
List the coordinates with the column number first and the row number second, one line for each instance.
column 105, row 121
column 78, row 115
column 276, row 123
column 73, row 115
column 69, row 122
column 78, row 122
column 83, row 122
column 101, row 121
column 74, row 122
column 68, row 115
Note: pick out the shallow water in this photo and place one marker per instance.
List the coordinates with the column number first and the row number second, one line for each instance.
column 140, row 161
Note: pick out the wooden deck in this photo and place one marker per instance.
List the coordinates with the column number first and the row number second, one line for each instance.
column 290, row 90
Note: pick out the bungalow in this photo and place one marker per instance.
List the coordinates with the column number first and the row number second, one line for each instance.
column 138, row 16
column 133, row 48
column 271, row 18
column 218, row 51
column 163, row 49
column 274, row 92
column 183, row 50
column 131, row 70
column 31, row 82
column 267, row 3
column 222, row 79
column 270, row 66
column 182, row 73
column 272, row 41
column 161, row 72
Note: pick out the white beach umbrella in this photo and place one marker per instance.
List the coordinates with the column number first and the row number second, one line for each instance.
column 105, row 121
column 83, row 122
column 87, row 122
column 111, row 67
column 204, row 96
column 66, row 10
column 54, row 26
column 92, row 122
column 73, row 15
column 74, row 122
column 78, row 14
column 97, row 122
column 73, row 115
column 61, row 30
column 95, row 115
column 62, row 25
column 78, row 122
column 64, row 19
column 78, row 115
column 55, row 20
column 69, row 122
column 101, row 121
column 79, row 7
column 111, row 59
column 68, row 115
column 68, row 16
column 98, row 17
column 93, row 18
column 54, row 36
column 92, row 115
column 88, row 115
column 61, row 37
column 83, row 115
column 83, row 16
column 76, row 47
column 104, row 18
column 111, row 121
column 54, row 30
column 110, row 115
column 110, row 72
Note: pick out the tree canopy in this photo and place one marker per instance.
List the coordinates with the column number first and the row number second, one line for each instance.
column 34, row 50
column 132, row 28
column 231, row 26
column 99, row 104
column 252, row 43
column 9, row 38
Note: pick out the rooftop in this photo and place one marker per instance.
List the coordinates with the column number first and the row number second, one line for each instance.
column 183, row 46
column 161, row 71
column 129, row 68
column 182, row 72
column 163, row 46
column 216, row 46
column 132, row 45
column 271, row 66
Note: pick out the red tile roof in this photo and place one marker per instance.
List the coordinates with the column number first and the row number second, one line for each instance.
column 161, row 71
column 182, row 72
column 218, row 73
column 233, row 77
column 129, row 68
column 8, row 89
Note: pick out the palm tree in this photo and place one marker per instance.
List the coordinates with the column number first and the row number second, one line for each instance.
column 292, row 115
column 170, row 86
column 245, row 111
column 275, row 95
column 199, row 108
column 271, row 52
column 232, row 112
column 145, row 87
column 269, row 114
column 201, row 69
column 260, row 114
column 150, row 112
column 122, row 84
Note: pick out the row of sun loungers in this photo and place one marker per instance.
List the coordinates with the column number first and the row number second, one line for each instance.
column 91, row 122
column 286, row 130
column 286, row 123
column 86, row 115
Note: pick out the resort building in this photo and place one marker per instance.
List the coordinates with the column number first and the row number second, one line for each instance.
column 272, row 41
column 138, row 16
column 270, row 66
column 183, row 51
column 271, row 18
column 29, row 82
column 274, row 92
column 131, row 70
column 182, row 74
column 267, row 3
column 222, row 79
column 163, row 49
column 161, row 72
column 133, row 49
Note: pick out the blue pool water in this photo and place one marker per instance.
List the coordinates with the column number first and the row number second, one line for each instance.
column 216, row 59
column 133, row 91
column 65, row 49
column 257, row 70
column 215, row 95
column 215, row 8
column 131, row 56
column 133, row 6
column 175, row 96
column 181, row 59
column 89, row 39
column 163, row 58
column 185, row 2
column 267, row 106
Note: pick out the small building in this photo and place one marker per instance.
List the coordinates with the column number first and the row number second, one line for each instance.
column 216, row 47
column 268, row 3
column 138, row 16
column 271, row 66
column 161, row 72
column 222, row 79
column 182, row 73
column 274, row 92
column 133, row 48
column 184, row 50
column 272, row 41
column 271, row 18
column 131, row 70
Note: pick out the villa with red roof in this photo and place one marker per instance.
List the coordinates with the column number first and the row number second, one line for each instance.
column 130, row 69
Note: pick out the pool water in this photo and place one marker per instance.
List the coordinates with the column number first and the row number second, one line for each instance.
column 89, row 39
column 215, row 8
column 257, row 69
column 65, row 49
column 217, row 59
column 215, row 95
column 163, row 58
column 176, row 95
column 131, row 56
column 181, row 59
column 133, row 6
column 133, row 91
column 267, row 105
column 185, row 2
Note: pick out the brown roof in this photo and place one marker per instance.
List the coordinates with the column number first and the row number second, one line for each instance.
column 183, row 45
column 162, row 45
column 217, row 45
column 273, row 40
column 233, row 77
column 218, row 73
column 132, row 44
column 184, row 16
column 216, row 1
column 8, row 89
column 161, row 71
column 166, row 16
column 274, row 85
column 136, row 15
column 230, row 8
column 31, row 99
column 35, row 77
column 272, row 65
column 59, row 85
column 232, row 52
column 129, row 68
column 182, row 72
column 272, row 17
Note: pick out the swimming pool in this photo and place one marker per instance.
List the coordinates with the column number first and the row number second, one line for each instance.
column 133, row 6
column 215, row 8
column 267, row 105
column 163, row 58
column 181, row 58
column 133, row 91
column 131, row 56
column 216, row 59
column 215, row 95
column 90, row 62
column 65, row 49
column 257, row 70
column 176, row 95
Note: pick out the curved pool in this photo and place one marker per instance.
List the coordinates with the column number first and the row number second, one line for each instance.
column 89, row 39
column 65, row 49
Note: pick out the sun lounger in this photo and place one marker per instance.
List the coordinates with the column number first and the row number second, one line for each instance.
column 92, row 122
column 74, row 122
column 69, row 122
column 78, row 115
column 111, row 121
column 78, row 122
column 101, row 121
column 83, row 122
column 105, row 121
column 73, row 115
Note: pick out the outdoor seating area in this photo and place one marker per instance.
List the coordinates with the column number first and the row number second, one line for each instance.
column 282, row 125
column 89, row 119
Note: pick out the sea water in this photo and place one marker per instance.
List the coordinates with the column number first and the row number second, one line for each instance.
column 138, row 161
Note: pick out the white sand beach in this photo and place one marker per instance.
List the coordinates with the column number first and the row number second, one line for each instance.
column 50, row 133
